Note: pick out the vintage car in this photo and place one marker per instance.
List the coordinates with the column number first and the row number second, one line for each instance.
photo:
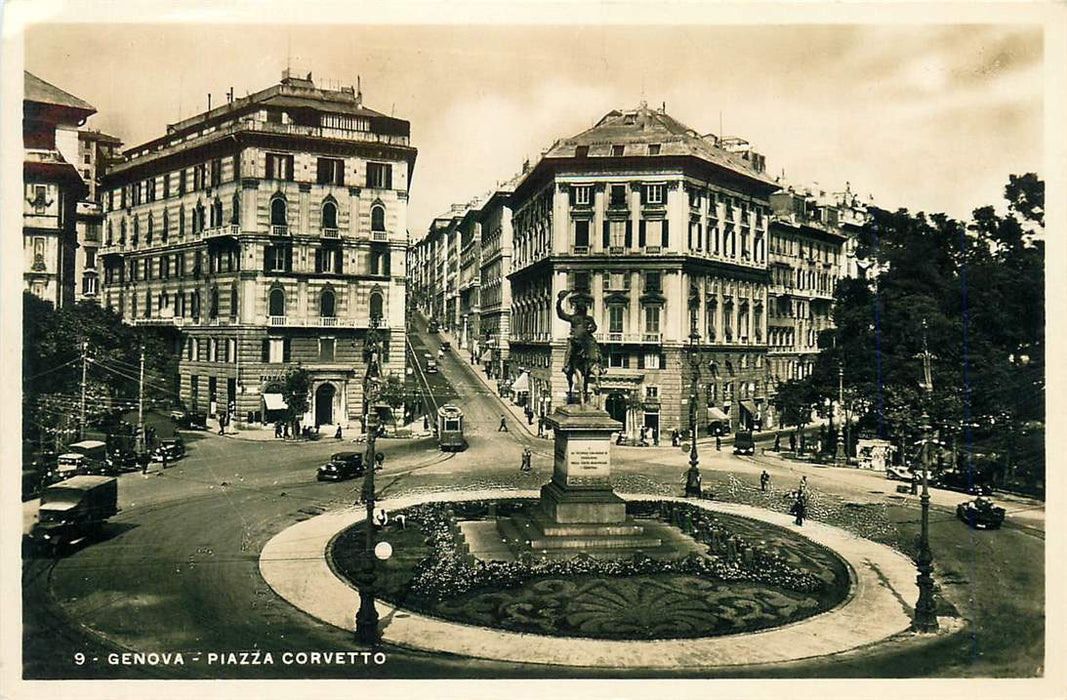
column 973, row 482
column 119, row 461
column 980, row 514
column 431, row 367
column 446, row 345
column 743, row 443
column 899, row 473
column 342, row 465
column 173, row 448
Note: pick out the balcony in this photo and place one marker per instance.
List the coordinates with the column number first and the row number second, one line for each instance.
column 279, row 230
column 616, row 250
column 330, row 233
column 653, row 250
column 327, row 321
column 580, row 250
column 380, row 236
column 651, row 337
column 277, row 321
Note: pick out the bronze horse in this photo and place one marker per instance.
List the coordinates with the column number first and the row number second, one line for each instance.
column 583, row 359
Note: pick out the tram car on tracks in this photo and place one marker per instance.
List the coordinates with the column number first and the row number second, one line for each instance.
column 450, row 429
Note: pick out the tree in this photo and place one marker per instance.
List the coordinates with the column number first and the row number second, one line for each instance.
column 296, row 390
column 794, row 402
column 393, row 394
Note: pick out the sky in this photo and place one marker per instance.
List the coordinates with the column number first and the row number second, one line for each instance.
column 931, row 118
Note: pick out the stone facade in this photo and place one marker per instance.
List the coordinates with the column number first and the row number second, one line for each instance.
column 270, row 230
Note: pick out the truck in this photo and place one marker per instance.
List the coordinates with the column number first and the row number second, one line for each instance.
column 744, row 443
column 75, row 509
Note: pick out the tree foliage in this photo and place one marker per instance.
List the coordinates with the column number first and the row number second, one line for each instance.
column 979, row 287
column 296, row 390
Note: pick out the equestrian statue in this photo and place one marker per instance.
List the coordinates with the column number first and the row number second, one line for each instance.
column 583, row 357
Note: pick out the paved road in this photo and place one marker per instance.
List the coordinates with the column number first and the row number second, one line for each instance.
column 178, row 570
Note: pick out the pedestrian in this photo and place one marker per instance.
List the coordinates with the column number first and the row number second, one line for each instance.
column 764, row 479
column 379, row 461
column 277, row 429
column 526, row 465
column 222, row 425
column 503, row 425
column 644, row 437
column 317, row 426
column 777, row 442
column 792, row 442
column 718, row 443
column 285, row 430
column 803, row 485
column 692, row 483
column 163, row 456
column 655, row 437
column 401, row 521
column 381, row 518
column 674, row 438
column 425, row 422
column 540, row 427
column 337, row 433
column 143, row 459
column 799, row 510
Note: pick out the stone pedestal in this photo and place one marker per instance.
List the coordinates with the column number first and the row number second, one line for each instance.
column 579, row 511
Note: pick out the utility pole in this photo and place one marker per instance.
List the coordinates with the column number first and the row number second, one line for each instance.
column 367, row 615
column 85, row 353
column 839, row 453
column 925, row 614
column 692, row 475
column 140, row 406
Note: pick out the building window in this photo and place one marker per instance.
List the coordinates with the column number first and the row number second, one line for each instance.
column 279, row 166
column 330, row 171
column 326, row 349
column 581, row 234
column 327, row 304
column 181, row 182
column 581, row 282
column 653, row 149
column 216, row 172
column 328, row 260
column 376, row 303
column 652, row 283
column 89, row 284
column 276, row 350
column 618, row 151
column 651, row 319
column 377, row 218
column 90, row 258
column 582, row 195
column 615, row 319
column 278, row 212
column 235, row 215
column 277, row 258
column 652, row 392
column 618, row 196
column 276, row 303
column 329, row 215
column 617, row 233
column 653, row 194
column 380, row 176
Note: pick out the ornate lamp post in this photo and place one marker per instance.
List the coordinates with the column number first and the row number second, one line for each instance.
column 692, row 476
column 925, row 615
column 367, row 615
column 840, row 437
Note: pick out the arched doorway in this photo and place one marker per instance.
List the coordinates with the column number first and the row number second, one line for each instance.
column 616, row 406
column 324, row 404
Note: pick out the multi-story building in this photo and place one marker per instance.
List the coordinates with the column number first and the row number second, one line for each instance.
column 53, row 186
column 469, row 236
column 662, row 235
column 96, row 152
column 494, row 216
column 271, row 230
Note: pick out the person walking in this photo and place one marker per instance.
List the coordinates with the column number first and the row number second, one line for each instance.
column 799, row 510
column 718, row 443
column 777, row 442
column 526, row 466
column 692, row 483
column 764, row 479
column 503, row 425
column 277, row 429
column 143, row 458
column 674, row 438
column 337, row 433
column 792, row 442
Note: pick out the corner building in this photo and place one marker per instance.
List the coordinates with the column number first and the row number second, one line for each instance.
column 270, row 230
column 662, row 233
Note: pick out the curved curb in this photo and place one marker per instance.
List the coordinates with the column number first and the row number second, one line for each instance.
column 294, row 565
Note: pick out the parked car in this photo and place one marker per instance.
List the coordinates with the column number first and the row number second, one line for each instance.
column 981, row 514
column 173, row 448
column 431, row 367
column 342, row 465
column 973, row 482
column 119, row 461
column 899, row 473
column 446, row 345
column 743, row 443
column 194, row 420
column 432, row 327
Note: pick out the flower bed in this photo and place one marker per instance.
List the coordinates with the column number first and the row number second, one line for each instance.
column 744, row 583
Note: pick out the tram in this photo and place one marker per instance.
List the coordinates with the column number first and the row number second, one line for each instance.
column 450, row 429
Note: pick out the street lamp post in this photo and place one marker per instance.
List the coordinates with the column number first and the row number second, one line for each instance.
column 692, row 476
column 367, row 615
column 839, row 452
column 925, row 614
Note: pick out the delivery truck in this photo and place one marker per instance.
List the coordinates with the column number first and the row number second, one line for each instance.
column 74, row 510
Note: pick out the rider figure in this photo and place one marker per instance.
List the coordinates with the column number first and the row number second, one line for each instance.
column 583, row 353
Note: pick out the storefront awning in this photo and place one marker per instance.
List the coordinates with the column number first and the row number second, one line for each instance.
column 750, row 407
column 274, row 402
column 522, row 383
column 715, row 414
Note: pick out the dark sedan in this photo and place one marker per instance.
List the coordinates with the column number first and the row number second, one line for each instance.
column 342, row 465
